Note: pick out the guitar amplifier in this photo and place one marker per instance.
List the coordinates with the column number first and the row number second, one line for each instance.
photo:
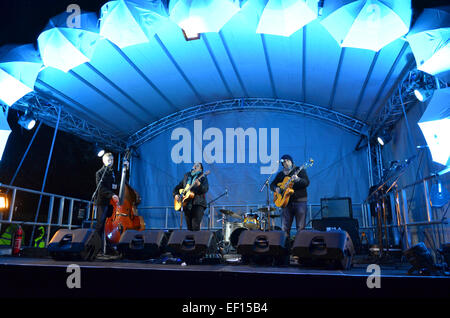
column 336, row 207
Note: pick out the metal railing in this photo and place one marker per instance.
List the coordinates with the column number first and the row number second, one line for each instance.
column 63, row 205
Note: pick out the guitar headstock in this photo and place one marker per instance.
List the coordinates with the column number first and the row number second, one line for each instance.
column 309, row 163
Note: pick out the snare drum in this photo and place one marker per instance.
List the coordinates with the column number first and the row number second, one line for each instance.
column 251, row 221
column 229, row 228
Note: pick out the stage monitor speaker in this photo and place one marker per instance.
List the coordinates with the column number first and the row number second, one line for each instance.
column 263, row 247
column 192, row 245
column 336, row 207
column 79, row 244
column 142, row 244
column 349, row 225
column 317, row 248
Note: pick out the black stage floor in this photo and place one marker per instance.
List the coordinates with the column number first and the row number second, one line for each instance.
column 47, row 278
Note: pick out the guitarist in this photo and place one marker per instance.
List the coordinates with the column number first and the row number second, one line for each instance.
column 297, row 202
column 194, row 208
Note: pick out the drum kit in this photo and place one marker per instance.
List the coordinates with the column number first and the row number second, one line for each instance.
column 249, row 221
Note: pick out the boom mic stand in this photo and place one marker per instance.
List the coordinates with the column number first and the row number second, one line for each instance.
column 95, row 193
column 381, row 215
column 266, row 185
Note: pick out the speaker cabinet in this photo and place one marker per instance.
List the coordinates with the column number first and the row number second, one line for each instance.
column 330, row 249
column 142, row 244
column 79, row 244
column 348, row 225
column 191, row 245
column 263, row 247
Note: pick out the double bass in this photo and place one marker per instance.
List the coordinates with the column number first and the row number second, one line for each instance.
column 125, row 215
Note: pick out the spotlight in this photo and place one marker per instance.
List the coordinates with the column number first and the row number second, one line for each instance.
column 100, row 152
column 4, row 203
column 384, row 138
column 27, row 121
column 420, row 258
column 423, row 94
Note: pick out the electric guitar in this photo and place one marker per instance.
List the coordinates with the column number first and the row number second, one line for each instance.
column 186, row 194
column 281, row 200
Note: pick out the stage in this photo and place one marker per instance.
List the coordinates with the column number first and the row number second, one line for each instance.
column 23, row 277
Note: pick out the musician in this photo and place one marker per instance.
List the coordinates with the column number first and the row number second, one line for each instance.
column 297, row 202
column 194, row 208
column 108, row 188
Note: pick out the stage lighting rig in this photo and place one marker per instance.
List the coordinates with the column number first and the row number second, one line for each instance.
column 384, row 138
column 27, row 121
column 100, row 151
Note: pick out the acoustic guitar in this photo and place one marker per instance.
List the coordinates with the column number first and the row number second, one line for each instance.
column 281, row 200
column 186, row 194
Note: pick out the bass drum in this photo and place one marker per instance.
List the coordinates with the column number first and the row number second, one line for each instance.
column 234, row 237
column 229, row 227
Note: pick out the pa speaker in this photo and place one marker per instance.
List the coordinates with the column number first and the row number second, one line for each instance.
column 79, row 244
column 263, row 247
column 142, row 244
column 192, row 245
column 317, row 248
column 348, row 225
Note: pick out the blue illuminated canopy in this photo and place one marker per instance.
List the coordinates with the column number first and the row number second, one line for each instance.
column 65, row 44
column 367, row 24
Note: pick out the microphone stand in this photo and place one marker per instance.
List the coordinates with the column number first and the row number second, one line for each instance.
column 95, row 193
column 212, row 201
column 266, row 185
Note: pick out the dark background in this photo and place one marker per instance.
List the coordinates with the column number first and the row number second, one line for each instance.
column 74, row 162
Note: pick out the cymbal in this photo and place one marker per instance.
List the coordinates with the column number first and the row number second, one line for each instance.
column 271, row 209
column 230, row 213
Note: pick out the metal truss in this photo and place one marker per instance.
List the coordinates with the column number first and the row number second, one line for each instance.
column 396, row 108
column 247, row 104
column 46, row 109
column 402, row 99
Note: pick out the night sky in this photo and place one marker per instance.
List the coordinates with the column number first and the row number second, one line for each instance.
column 73, row 165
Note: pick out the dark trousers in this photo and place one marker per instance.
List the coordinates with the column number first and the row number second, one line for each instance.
column 194, row 216
column 297, row 210
column 103, row 212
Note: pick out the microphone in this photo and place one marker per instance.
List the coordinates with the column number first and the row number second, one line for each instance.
column 422, row 147
column 226, row 192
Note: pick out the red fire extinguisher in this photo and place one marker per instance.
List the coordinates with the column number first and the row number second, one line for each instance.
column 17, row 241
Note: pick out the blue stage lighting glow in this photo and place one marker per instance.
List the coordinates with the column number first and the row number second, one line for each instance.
column 435, row 126
column 200, row 16
column 65, row 47
column 367, row 24
column 127, row 23
column 284, row 17
column 11, row 89
column 429, row 40
column 4, row 132
column 436, row 134
column 19, row 68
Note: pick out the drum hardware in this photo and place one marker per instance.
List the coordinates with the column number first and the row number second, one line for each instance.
column 265, row 209
column 230, row 213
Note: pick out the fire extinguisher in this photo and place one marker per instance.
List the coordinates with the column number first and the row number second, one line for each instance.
column 17, row 241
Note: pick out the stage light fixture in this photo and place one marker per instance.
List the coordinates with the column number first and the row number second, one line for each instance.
column 4, row 203
column 422, row 94
column 27, row 121
column 99, row 151
column 420, row 258
column 384, row 138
